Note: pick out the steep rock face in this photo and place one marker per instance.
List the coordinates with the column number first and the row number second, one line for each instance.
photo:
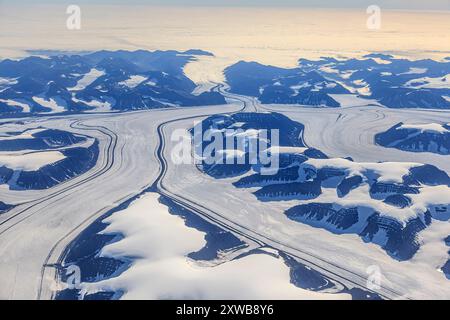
column 402, row 241
column 290, row 191
column 322, row 213
column 426, row 174
column 420, row 138
column 348, row 184
column 398, row 200
column 5, row 174
column 282, row 177
column 446, row 269
column 5, row 207
column 383, row 190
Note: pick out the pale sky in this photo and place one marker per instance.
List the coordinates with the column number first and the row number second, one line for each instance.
column 388, row 4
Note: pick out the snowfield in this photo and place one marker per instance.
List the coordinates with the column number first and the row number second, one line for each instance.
column 429, row 127
column 16, row 103
column 54, row 104
column 26, row 134
column 161, row 242
column 100, row 106
column 133, row 81
column 30, row 161
column 353, row 100
column 87, row 79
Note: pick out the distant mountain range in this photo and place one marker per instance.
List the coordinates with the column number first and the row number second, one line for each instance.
column 99, row 81
column 107, row 81
column 379, row 79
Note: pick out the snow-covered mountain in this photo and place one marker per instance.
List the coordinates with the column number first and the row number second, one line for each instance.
column 98, row 82
column 41, row 158
column 386, row 203
column 248, row 124
column 430, row 137
column 122, row 80
column 377, row 78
